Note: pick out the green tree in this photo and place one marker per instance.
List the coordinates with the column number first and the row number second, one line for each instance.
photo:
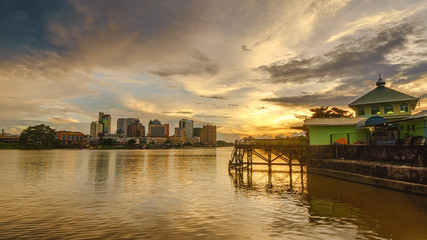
column 107, row 141
column 131, row 142
column 333, row 112
column 38, row 135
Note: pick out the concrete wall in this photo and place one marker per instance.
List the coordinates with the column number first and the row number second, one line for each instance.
column 403, row 178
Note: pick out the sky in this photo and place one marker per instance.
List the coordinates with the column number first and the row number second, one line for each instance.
column 252, row 68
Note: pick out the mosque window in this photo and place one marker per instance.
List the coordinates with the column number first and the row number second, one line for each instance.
column 388, row 108
column 375, row 110
column 361, row 111
column 404, row 108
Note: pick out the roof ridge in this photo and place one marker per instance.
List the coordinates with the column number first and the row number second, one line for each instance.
column 382, row 94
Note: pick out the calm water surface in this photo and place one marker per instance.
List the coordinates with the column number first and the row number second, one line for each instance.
column 188, row 194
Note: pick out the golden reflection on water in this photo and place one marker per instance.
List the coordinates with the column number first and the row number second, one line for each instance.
column 189, row 194
column 276, row 181
column 389, row 213
column 367, row 210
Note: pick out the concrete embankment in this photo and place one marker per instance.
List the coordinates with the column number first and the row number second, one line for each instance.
column 404, row 178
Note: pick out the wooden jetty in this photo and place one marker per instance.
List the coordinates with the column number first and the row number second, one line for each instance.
column 267, row 152
column 271, row 151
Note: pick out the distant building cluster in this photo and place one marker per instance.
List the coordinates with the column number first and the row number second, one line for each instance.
column 131, row 130
column 8, row 138
column 157, row 133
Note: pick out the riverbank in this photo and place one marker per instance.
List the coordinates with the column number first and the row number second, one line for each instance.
column 411, row 179
column 6, row 146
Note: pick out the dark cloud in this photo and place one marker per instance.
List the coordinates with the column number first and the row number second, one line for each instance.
column 198, row 64
column 81, row 28
column 353, row 61
column 411, row 72
column 184, row 112
column 420, row 41
column 24, row 25
column 327, row 99
column 213, row 97
column 245, row 48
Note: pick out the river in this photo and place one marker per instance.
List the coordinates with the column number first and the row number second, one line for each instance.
column 189, row 194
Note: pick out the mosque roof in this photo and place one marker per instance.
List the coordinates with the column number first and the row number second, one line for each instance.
column 382, row 94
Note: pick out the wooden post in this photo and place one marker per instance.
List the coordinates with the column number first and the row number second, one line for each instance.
column 269, row 160
column 301, row 161
column 249, row 160
column 290, row 169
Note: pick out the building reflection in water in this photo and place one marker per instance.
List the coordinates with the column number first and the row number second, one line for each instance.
column 98, row 170
column 127, row 165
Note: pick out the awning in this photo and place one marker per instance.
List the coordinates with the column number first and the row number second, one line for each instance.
column 371, row 122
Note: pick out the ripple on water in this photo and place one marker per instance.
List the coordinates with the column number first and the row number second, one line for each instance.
column 186, row 194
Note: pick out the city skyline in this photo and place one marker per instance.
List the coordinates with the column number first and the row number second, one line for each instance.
column 249, row 67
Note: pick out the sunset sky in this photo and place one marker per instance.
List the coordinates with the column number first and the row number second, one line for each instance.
column 247, row 66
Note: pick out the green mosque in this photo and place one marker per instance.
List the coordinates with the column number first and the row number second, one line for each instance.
column 383, row 117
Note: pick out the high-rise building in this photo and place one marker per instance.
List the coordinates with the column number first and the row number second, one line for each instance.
column 156, row 129
column 124, row 123
column 208, row 135
column 135, row 129
column 96, row 128
column 180, row 132
column 105, row 119
column 188, row 125
column 196, row 132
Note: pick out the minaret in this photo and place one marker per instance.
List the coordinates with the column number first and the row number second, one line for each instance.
column 380, row 82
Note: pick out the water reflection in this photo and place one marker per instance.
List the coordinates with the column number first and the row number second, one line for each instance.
column 355, row 210
column 381, row 212
column 98, row 170
column 269, row 181
column 188, row 194
column 33, row 167
column 128, row 165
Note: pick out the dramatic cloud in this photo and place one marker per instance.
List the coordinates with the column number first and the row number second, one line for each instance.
column 312, row 100
column 63, row 61
column 198, row 64
column 351, row 60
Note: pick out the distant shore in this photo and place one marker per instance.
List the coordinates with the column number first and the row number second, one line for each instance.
column 17, row 146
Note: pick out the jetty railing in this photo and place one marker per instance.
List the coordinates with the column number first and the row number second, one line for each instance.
column 270, row 151
column 411, row 155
